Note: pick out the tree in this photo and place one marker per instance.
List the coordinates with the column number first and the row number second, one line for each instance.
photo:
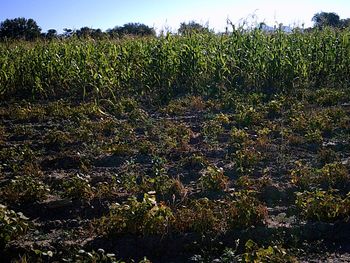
column 345, row 22
column 67, row 32
column 324, row 19
column 135, row 29
column 19, row 28
column 51, row 34
column 85, row 32
column 192, row 27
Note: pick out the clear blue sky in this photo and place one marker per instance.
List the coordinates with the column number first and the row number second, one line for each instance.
column 161, row 14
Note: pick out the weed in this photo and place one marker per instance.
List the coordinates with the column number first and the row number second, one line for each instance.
column 78, row 187
column 246, row 159
column 329, row 176
column 254, row 253
column 57, row 140
column 247, row 116
column 211, row 130
column 213, row 179
column 99, row 256
column 334, row 175
column 325, row 156
column 302, row 175
column 323, row 206
column 119, row 149
column 246, row 210
column 239, row 138
column 146, row 147
column 328, row 96
column 24, row 189
column 195, row 162
column 12, row 225
column 205, row 216
column 274, row 108
column 146, row 217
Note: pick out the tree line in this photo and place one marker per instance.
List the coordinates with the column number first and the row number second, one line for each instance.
column 28, row 29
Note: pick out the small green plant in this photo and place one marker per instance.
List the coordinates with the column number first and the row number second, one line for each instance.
column 298, row 121
column 146, row 217
column 330, row 175
column 57, row 140
column 320, row 121
column 213, row 179
column 119, row 108
column 324, row 206
column 245, row 210
column 314, row 137
column 99, row 256
column 119, row 149
column 106, row 190
column 2, row 133
column 326, row 155
column 139, row 116
column 247, row 183
column 263, row 138
column 274, row 108
column 158, row 166
column 246, row 159
column 328, row 96
column 183, row 105
column 78, row 187
column 28, row 113
column 24, row 189
column 247, row 116
column 178, row 135
column 239, row 138
column 12, row 225
column 302, row 175
column 145, row 147
column 161, row 184
column 334, row 174
column 201, row 216
column 211, row 129
column 194, row 162
column 22, row 131
column 172, row 135
column 14, row 158
column 273, row 254
column 207, row 216
column 222, row 118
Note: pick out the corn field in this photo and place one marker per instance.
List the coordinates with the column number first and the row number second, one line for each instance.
column 168, row 66
column 190, row 148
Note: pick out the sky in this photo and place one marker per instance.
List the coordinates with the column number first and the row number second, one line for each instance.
column 168, row 14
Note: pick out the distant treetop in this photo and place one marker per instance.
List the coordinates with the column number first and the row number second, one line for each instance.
column 192, row 27
column 27, row 29
column 323, row 19
column 19, row 28
column 136, row 29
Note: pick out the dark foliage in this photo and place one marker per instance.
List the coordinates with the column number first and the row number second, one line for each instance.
column 19, row 28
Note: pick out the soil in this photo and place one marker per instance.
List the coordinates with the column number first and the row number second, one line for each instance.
column 64, row 224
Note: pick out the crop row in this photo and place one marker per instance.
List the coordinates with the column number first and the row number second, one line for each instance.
column 165, row 67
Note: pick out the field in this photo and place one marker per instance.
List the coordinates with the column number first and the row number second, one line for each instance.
column 195, row 148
